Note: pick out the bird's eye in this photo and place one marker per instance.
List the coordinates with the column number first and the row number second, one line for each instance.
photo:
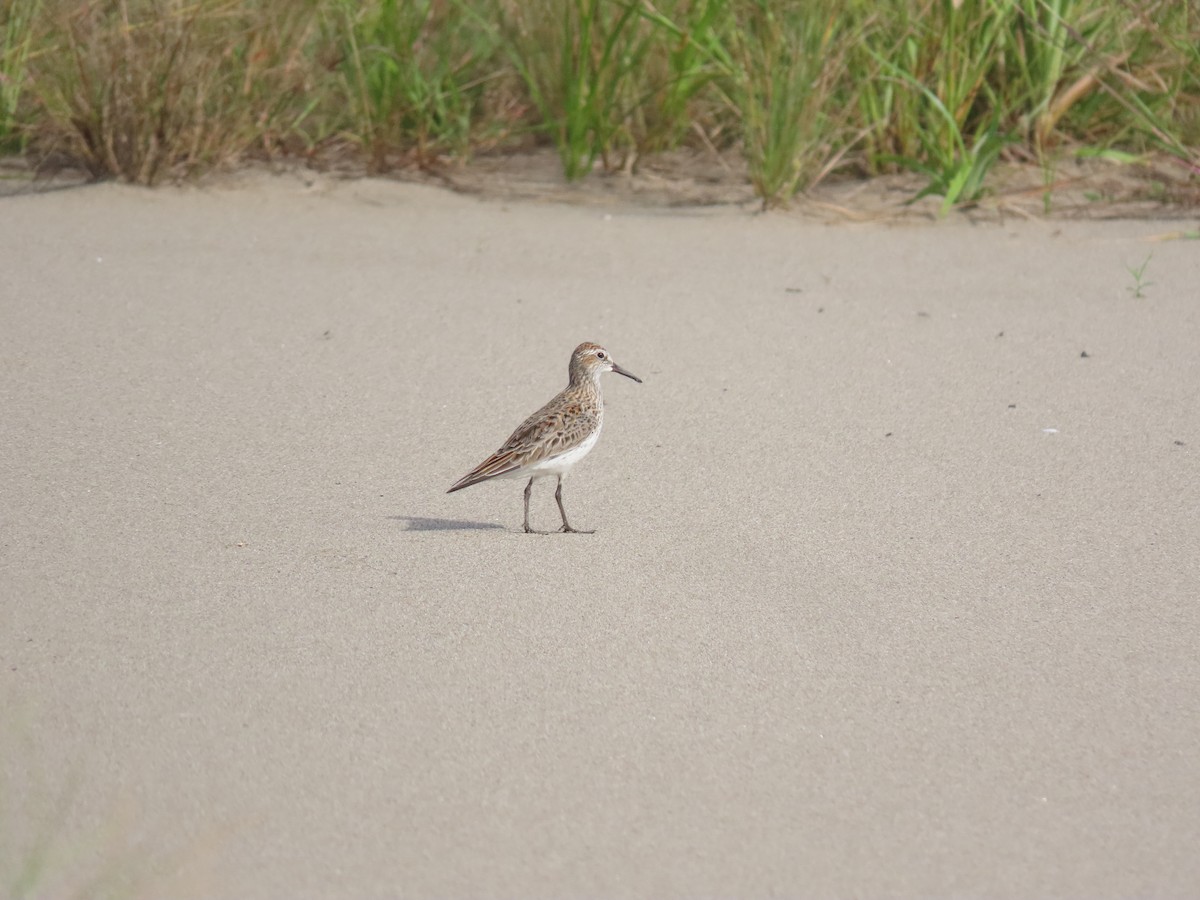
column 600, row 354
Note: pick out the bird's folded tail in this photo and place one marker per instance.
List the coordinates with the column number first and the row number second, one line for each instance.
column 500, row 463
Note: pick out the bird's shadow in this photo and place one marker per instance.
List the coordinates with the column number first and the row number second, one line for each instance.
column 423, row 523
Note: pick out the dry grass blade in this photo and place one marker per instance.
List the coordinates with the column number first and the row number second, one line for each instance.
column 143, row 90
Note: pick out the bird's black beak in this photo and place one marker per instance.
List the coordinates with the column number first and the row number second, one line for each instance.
column 621, row 371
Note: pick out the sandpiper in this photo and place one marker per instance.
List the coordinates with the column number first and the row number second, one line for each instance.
column 557, row 436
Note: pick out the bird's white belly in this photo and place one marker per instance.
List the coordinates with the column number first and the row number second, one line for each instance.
column 561, row 464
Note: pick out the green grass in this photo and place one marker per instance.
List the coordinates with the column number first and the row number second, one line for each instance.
column 1138, row 274
column 580, row 61
column 16, row 42
column 144, row 90
column 783, row 82
column 415, row 74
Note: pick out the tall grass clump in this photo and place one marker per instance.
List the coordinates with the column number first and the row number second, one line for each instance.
column 687, row 72
column 951, row 83
column 1109, row 78
column 1051, row 42
column 416, row 73
column 1147, row 78
column 584, row 64
column 935, row 101
column 16, row 43
column 779, row 69
column 1180, row 73
column 141, row 88
column 786, row 62
column 612, row 80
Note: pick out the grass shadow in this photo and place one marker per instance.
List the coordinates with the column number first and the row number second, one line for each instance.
column 423, row 523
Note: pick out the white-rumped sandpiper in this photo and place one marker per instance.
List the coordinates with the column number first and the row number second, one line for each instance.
column 557, row 436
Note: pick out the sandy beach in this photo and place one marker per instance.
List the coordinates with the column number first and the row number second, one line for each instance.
column 894, row 590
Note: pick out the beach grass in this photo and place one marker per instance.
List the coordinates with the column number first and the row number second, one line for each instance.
column 415, row 77
column 16, row 43
column 144, row 90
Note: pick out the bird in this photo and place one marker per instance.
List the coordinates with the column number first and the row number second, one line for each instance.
column 557, row 436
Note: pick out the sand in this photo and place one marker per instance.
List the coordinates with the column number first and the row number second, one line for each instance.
column 893, row 591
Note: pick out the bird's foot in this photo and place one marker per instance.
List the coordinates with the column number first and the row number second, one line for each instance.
column 529, row 530
column 567, row 529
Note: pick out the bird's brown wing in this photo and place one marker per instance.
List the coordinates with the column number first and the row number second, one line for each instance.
column 555, row 428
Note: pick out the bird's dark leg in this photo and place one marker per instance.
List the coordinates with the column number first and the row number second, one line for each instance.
column 528, row 490
column 566, row 526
